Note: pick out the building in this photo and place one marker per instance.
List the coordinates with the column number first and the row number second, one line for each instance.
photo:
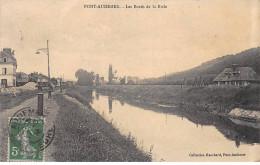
column 21, row 78
column 8, row 66
column 237, row 76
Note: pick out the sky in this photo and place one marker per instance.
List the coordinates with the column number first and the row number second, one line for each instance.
column 137, row 42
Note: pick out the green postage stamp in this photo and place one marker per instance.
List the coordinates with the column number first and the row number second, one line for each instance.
column 26, row 139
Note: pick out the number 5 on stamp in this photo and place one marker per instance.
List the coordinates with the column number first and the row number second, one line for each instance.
column 25, row 139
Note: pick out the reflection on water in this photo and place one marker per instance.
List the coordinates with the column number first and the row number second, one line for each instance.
column 110, row 104
column 122, row 102
column 97, row 96
column 175, row 133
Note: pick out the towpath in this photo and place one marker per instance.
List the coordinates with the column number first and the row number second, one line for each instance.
column 51, row 110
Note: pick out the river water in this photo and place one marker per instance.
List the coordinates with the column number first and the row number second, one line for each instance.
column 174, row 134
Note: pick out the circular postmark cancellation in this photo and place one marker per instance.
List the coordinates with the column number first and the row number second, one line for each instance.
column 28, row 136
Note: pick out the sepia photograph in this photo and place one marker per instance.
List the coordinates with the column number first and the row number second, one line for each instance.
column 129, row 81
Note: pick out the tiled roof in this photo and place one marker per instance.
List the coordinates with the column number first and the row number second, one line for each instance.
column 240, row 73
column 4, row 54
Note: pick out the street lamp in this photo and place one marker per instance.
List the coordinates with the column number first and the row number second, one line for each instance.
column 46, row 50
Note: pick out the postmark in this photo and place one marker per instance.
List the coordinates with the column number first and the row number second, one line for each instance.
column 28, row 136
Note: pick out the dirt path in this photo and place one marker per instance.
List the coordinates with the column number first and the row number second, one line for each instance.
column 50, row 111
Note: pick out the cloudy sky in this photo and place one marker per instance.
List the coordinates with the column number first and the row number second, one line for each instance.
column 137, row 42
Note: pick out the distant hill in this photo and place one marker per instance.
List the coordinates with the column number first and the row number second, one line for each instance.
column 207, row 71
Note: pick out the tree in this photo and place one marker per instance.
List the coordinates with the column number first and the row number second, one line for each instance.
column 208, row 79
column 54, row 81
column 122, row 81
column 195, row 81
column 110, row 74
column 97, row 80
column 102, row 80
column 189, row 82
column 131, row 82
column 85, row 78
column 33, row 77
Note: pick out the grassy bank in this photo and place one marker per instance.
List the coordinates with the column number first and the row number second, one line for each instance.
column 85, row 136
column 11, row 100
column 212, row 99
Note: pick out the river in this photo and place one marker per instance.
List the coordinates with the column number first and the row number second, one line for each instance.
column 173, row 134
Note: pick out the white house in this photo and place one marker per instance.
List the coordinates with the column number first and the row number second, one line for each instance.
column 8, row 66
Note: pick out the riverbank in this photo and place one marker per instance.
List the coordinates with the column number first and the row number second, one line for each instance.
column 167, row 128
column 210, row 99
column 85, row 136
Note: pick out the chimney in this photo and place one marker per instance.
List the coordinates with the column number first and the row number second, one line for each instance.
column 234, row 66
column 7, row 51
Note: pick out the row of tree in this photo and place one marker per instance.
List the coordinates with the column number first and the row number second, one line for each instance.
column 196, row 81
column 86, row 78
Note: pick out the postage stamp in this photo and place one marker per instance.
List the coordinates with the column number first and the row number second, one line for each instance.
column 26, row 139
column 30, row 113
column 29, row 135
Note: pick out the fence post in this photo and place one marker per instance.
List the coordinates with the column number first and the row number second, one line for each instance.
column 40, row 104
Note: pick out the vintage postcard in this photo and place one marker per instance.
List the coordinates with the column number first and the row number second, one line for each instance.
column 130, row 81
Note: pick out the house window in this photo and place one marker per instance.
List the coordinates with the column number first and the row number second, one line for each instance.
column 5, row 59
column 4, row 71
